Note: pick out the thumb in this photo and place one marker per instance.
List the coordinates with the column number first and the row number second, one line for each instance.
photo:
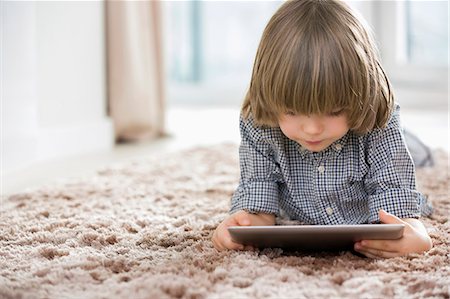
column 243, row 219
column 387, row 218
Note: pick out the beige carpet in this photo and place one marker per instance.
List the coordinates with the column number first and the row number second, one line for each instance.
column 143, row 230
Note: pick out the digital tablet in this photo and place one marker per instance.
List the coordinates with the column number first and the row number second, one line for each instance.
column 313, row 237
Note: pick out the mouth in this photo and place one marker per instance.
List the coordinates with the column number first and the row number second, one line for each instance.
column 313, row 142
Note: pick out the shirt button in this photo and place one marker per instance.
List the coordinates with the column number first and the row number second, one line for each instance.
column 338, row 146
column 329, row 211
column 321, row 168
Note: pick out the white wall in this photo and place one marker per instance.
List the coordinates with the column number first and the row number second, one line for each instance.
column 53, row 76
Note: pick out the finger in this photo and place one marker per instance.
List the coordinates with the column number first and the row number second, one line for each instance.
column 387, row 218
column 226, row 240
column 225, row 243
column 219, row 247
column 384, row 245
column 216, row 242
column 375, row 253
column 229, row 244
column 220, row 237
column 369, row 255
column 380, row 254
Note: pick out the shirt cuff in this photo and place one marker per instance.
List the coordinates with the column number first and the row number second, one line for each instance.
column 402, row 203
column 256, row 197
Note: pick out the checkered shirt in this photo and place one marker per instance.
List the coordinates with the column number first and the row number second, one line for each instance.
column 347, row 183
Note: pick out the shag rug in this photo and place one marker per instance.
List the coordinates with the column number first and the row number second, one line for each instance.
column 143, row 230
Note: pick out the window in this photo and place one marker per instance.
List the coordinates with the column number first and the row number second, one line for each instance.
column 210, row 48
column 413, row 40
column 427, row 32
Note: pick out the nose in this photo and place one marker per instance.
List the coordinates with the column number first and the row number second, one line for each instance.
column 312, row 125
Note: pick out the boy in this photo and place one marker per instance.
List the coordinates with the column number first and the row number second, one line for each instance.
column 321, row 136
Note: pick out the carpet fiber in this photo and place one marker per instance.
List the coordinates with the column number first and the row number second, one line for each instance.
column 143, row 230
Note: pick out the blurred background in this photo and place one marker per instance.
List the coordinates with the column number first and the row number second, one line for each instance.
column 88, row 84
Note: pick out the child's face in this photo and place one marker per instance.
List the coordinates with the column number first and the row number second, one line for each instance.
column 314, row 132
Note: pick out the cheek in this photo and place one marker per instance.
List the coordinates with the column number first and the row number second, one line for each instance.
column 287, row 129
column 338, row 126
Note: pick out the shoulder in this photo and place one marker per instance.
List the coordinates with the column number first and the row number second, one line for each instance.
column 388, row 143
column 391, row 134
column 268, row 135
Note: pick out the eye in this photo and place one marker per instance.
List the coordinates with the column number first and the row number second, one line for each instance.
column 336, row 112
column 290, row 113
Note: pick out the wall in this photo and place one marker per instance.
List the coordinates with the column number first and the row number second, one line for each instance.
column 53, row 81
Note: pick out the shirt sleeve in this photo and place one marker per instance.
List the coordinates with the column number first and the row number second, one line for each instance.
column 390, row 181
column 258, row 190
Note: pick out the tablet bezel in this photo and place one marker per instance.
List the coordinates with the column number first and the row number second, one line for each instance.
column 313, row 237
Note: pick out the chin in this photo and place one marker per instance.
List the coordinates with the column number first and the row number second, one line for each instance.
column 316, row 148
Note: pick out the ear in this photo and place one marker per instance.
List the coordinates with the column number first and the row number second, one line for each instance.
column 387, row 218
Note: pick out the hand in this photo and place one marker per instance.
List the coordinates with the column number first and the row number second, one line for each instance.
column 221, row 237
column 415, row 239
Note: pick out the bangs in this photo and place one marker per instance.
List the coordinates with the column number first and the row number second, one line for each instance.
column 318, row 81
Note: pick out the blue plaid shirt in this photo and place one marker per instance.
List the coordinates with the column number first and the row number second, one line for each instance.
column 347, row 183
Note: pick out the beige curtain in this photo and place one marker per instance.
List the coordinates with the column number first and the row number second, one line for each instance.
column 135, row 69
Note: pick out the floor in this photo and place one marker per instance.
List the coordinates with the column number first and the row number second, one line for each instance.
column 188, row 127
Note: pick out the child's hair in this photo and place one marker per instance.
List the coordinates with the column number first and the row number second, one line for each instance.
column 315, row 57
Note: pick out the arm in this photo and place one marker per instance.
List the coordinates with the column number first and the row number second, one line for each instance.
column 255, row 201
column 390, row 182
column 415, row 239
column 391, row 187
column 260, row 175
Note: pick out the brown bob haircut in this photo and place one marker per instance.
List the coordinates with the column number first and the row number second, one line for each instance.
column 316, row 57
